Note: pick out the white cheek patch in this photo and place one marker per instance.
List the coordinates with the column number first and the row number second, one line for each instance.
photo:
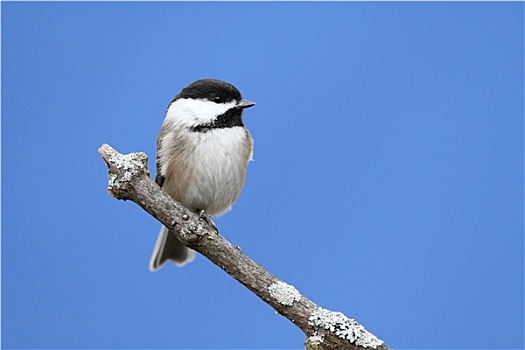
column 190, row 112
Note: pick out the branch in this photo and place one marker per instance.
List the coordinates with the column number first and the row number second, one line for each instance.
column 324, row 329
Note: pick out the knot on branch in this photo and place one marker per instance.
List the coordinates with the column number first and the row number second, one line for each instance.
column 122, row 169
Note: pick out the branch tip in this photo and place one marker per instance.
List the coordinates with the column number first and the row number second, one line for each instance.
column 122, row 169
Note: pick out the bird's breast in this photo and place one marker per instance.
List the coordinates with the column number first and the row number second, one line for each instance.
column 209, row 173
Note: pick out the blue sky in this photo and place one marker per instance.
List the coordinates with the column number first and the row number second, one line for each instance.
column 387, row 180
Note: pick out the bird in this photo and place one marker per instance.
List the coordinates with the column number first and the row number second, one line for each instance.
column 203, row 150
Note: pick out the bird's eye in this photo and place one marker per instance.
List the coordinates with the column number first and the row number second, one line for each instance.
column 217, row 99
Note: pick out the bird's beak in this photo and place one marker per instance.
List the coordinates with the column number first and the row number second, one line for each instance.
column 245, row 104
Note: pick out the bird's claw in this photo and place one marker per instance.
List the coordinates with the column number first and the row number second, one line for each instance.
column 208, row 220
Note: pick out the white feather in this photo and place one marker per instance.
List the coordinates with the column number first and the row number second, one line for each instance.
column 190, row 112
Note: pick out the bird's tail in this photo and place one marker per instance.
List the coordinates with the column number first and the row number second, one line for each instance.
column 168, row 247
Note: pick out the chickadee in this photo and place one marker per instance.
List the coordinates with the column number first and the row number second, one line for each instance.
column 203, row 150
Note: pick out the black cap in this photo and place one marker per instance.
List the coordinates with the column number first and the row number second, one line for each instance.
column 214, row 90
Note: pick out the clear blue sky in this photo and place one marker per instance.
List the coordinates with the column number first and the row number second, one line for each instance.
column 387, row 181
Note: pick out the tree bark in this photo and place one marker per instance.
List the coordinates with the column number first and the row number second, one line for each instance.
column 129, row 179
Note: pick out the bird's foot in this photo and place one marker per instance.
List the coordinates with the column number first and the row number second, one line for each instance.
column 208, row 220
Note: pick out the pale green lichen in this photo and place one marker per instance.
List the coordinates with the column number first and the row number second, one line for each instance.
column 198, row 229
column 343, row 327
column 283, row 293
column 130, row 163
column 314, row 341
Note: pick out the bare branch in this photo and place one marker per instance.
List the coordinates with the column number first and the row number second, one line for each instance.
column 129, row 180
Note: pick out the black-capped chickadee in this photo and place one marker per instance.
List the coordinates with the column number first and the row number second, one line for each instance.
column 203, row 150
